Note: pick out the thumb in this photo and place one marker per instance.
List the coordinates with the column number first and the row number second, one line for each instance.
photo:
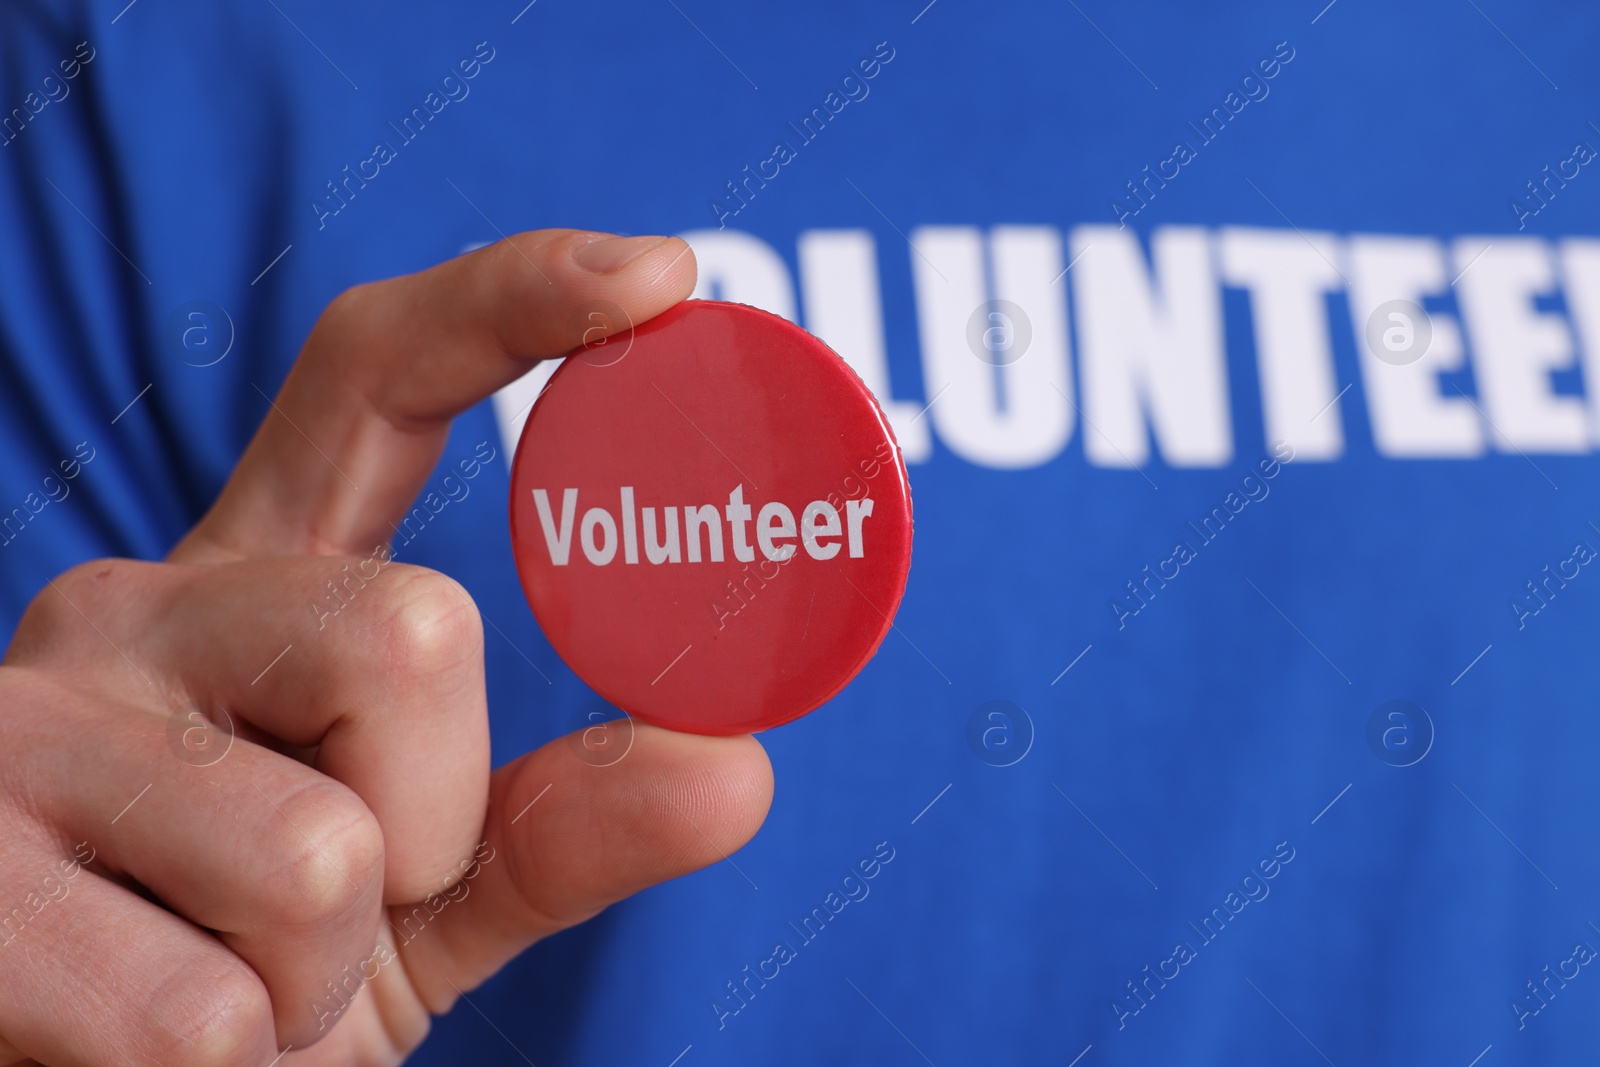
column 569, row 839
column 362, row 418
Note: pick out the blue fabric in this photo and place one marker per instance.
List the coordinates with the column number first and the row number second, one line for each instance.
column 1196, row 742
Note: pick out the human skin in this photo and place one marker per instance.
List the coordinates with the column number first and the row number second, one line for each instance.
column 219, row 905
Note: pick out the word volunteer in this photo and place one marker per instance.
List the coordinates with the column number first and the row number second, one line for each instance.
column 819, row 529
column 1145, row 366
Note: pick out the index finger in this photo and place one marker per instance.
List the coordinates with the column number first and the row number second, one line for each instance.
column 363, row 416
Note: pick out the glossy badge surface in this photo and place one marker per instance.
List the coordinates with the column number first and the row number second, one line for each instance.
column 711, row 519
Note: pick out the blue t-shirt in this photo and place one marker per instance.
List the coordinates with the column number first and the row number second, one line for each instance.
column 1246, row 360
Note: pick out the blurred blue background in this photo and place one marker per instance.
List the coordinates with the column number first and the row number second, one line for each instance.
column 1436, row 864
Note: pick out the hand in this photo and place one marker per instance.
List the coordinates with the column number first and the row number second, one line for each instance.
column 170, row 896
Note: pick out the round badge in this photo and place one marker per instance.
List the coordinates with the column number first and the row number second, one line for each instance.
column 714, row 532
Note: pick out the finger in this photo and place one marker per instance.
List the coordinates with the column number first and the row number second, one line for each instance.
column 283, row 863
column 92, row 974
column 565, row 839
column 363, row 416
column 377, row 666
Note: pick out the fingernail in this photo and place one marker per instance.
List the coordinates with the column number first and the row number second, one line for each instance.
column 611, row 254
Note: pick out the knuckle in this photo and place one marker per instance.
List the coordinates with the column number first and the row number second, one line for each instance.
column 426, row 623
column 524, row 262
column 84, row 592
column 332, row 857
column 354, row 317
column 530, row 247
column 215, row 1012
column 346, row 310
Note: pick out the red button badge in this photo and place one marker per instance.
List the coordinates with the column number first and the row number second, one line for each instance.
column 711, row 519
